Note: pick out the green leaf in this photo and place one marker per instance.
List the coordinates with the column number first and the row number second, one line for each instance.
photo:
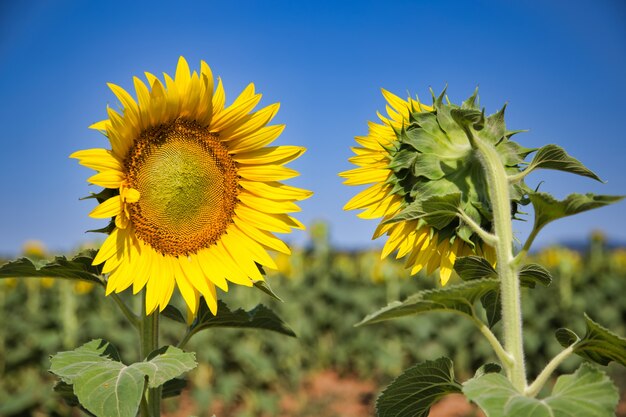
column 493, row 307
column 260, row 317
column 106, row 387
column 474, row 267
column 554, row 157
column 548, row 209
column 488, row 368
column 598, row 345
column 166, row 363
column 587, row 392
column 458, row 298
column 173, row 387
column 532, row 274
column 78, row 268
column 417, row 389
column 66, row 392
column 110, row 388
column 68, row 365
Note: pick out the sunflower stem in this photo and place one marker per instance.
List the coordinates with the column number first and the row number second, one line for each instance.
column 505, row 358
column 543, row 377
column 487, row 237
column 519, row 258
column 130, row 316
column 149, row 335
column 498, row 186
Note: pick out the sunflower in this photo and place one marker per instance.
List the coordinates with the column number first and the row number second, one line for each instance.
column 192, row 188
column 416, row 160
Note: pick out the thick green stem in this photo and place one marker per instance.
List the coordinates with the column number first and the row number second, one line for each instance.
column 149, row 336
column 498, row 186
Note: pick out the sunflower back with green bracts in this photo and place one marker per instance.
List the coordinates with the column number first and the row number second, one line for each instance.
column 437, row 171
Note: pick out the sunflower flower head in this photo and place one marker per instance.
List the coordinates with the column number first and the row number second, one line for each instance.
column 427, row 182
column 191, row 187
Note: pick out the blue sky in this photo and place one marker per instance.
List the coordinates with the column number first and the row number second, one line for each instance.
column 561, row 66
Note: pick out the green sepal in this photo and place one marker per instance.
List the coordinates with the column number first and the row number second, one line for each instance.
column 437, row 211
column 260, row 317
column 103, row 195
column 599, row 345
column 414, row 392
column 173, row 313
column 265, row 287
column 554, row 157
column 587, row 392
column 548, row 209
column 78, row 268
column 459, row 298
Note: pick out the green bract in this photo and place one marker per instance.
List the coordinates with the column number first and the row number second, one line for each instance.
column 439, row 174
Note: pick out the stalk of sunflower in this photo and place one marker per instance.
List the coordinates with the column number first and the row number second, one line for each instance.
column 192, row 188
column 420, row 158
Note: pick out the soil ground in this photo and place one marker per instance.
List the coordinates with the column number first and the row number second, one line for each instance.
column 327, row 394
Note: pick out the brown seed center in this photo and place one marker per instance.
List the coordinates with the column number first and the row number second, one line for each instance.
column 188, row 184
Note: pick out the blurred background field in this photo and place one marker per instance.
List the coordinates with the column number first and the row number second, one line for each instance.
column 332, row 368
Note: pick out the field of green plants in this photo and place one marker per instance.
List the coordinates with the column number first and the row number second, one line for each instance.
column 325, row 292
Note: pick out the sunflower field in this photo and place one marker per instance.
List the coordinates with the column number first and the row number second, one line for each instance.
column 326, row 291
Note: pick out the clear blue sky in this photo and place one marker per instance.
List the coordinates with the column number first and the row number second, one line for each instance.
column 561, row 66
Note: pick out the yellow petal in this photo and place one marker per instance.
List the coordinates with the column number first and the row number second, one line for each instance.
column 108, row 249
column 267, row 205
column 275, row 155
column 255, row 140
column 98, row 159
column 275, row 190
column 107, row 179
column 267, row 172
column 109, row 208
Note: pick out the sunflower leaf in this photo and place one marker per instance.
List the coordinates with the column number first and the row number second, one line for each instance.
column 260, row 317
column 78, row 268
column 458, row 298
column 587, row 392
column 173, row 387
column 474, row 267
column 417, row 389
column 105, row 386
column 532, row 274
column 488, row 368
column 548, row 209
column 598, row 345
column 165, row 364
column 554, row 157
